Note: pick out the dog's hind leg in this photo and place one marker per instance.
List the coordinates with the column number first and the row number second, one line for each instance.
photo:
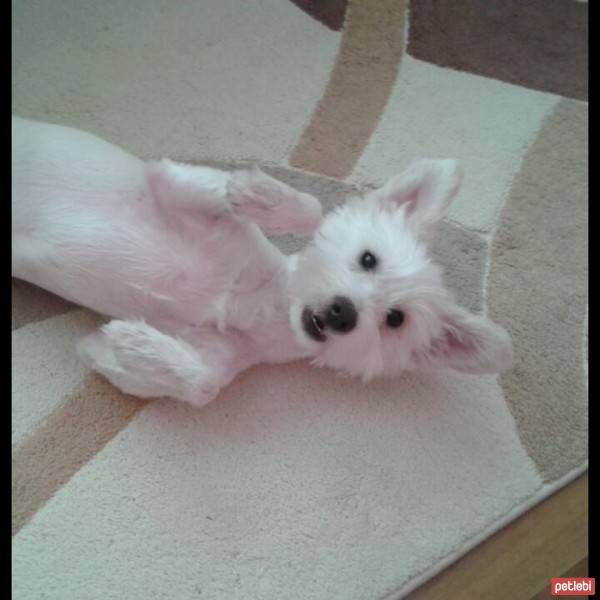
column 142, row 361
column 276, row 207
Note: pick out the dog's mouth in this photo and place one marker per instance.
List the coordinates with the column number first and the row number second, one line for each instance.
column 313, row 325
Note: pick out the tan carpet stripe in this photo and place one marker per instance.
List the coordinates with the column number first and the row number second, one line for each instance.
column 69, row 438
column 538, row 289
column 360, row 85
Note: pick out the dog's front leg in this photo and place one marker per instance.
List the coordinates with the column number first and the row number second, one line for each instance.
column 143, row 361
column 252, row 195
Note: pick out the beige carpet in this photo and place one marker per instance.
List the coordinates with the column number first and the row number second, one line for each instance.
column 296, row 484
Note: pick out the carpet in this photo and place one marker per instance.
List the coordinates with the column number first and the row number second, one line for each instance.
column 296, row 483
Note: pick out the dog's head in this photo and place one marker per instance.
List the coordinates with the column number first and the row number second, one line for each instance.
column 366, row 298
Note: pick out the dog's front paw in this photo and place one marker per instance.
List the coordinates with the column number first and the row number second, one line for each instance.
column 273, row 205
column 142, row 361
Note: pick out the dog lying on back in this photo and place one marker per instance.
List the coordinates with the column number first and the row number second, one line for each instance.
column 177, row 255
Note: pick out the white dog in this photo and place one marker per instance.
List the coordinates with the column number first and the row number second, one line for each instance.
column 176, row 254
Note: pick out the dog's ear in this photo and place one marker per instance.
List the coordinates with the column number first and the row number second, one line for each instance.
column 468, row 343
column 425, row 189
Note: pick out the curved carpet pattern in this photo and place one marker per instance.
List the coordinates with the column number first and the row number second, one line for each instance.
column 538, row 276
column 296, row 483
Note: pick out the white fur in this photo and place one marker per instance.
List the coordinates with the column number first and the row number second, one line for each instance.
column 175, row 254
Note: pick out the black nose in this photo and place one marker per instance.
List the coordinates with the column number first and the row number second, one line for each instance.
column 341, row 315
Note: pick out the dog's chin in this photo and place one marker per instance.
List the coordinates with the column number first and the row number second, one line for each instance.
column 313, row 325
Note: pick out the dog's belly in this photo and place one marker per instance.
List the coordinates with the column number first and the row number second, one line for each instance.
column 86, row 227
column 126, row 267
column 128, row 264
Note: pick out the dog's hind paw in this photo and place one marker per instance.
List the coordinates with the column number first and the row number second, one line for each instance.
column 142, row 361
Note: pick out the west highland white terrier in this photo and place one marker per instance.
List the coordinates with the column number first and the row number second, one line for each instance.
column 176, row 254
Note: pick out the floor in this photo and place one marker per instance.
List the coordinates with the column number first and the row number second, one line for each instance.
column 518, row 562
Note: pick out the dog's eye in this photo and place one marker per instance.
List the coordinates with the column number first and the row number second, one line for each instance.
column 368, row 261
column 394, row 318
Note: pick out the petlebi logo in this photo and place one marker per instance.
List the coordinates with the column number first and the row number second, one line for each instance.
column 573, row 586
